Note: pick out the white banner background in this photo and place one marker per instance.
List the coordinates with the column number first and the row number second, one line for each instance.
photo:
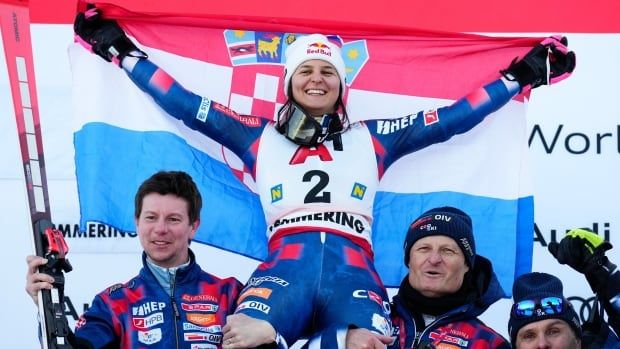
column 575, row 175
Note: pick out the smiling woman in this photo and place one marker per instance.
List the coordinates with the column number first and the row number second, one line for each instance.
column 316, row 85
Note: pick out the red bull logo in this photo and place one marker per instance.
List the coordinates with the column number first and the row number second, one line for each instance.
column 318, row 45
column 320, row 48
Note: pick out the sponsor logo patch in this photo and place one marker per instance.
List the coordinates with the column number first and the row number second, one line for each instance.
column 373, row 296
column 431, row 117
column 206, row 307
column 201, row 319
column 342, row 218
column 114, row 288
column 203, row 111
column 256, row 291
column 199, row 298
column 262, row 307
column 255, row 281
column 196, row 336
column 149, row 321
column 210, row 329
column 147, row 308
column 381, row 324
column 385, row 127
column 447, row 338
column 247, row 120
column 203, row 346
column 319, row 48
column 149, row 337
column 358, row 191
column 276, row 193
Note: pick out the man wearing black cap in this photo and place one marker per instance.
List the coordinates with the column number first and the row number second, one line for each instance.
column 541, row 316
column 438, row 303
column 447, row 288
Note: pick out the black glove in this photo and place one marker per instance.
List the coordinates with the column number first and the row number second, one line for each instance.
column 532, row 71
column 584, row 251
column 104, row 37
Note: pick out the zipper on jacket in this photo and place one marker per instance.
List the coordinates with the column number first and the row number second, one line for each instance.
column 175, row 308
column 417, row 338
column 416, row 342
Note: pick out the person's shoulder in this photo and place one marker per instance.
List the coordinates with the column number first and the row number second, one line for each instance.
column 118, row 287
column 115, row 292
column 232, row 282
column 492, row 333
column 222, row 281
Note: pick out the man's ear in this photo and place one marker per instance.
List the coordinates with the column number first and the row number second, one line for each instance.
column 195, row 226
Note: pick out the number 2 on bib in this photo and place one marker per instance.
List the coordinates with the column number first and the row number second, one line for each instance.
column 316, row 194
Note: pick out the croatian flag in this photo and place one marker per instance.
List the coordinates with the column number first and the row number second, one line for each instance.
column 122, row 137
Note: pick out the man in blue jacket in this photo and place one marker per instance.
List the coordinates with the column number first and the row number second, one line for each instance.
column 448, row 286
column 172, row 302
column 438, row 302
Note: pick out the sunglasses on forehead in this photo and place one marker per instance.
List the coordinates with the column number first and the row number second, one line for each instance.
column 538, row 307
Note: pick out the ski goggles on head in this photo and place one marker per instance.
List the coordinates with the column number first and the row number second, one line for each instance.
column 301, row 128
column 538, row 307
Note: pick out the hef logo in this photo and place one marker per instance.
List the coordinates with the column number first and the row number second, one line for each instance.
column 147, row 308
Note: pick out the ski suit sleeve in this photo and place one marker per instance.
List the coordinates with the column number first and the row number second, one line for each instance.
column 235, row 131
column 97, row 328
column 234, row 290
column 331, row 337
column 105, row 38
column 413, row 132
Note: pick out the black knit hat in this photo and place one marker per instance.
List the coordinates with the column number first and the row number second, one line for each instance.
column 535, row 287
column 447, row 221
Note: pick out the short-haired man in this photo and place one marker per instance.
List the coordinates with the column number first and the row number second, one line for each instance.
column 167, row 288
column 448, row 286
column 438, row 303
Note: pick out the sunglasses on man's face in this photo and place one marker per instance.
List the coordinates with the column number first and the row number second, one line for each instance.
column 538, row 307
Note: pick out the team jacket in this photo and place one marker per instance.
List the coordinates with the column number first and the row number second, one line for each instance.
column 459, row 328
column 140, row 314
column 321, row 188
